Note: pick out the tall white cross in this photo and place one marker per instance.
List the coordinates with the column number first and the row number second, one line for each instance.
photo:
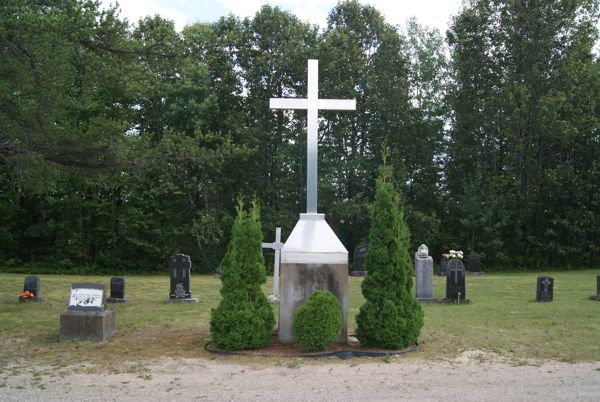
column 312, row 104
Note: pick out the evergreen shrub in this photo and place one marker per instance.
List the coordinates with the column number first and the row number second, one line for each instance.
column 244, row 318
column 391, row 317
column 318, row 322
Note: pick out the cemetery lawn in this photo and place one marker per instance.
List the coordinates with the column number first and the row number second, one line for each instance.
column 503, row 320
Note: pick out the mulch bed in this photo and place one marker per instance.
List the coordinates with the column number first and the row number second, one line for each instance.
column 276, row 349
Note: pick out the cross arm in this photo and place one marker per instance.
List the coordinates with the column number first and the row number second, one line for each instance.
column 288, row 103
column 337, row 104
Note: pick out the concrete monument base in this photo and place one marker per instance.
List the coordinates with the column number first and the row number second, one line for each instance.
column 87, row 325
column 313, row 258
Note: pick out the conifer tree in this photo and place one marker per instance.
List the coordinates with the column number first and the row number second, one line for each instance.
column 390, row 317
column 244, row 318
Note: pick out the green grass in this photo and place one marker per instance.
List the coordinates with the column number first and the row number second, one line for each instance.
column 503, row 318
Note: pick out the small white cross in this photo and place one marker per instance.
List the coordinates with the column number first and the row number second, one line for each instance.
column 277, row 246
column 312, row 104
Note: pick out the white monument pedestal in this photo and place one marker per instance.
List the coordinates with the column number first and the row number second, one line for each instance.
column 313, row 258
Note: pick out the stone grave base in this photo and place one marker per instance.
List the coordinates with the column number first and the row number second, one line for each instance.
column 358, row 273
column 87, row 325
column 423, row 300
column 595, row 297
column 185, row 300
column 116, row 300
column 34, row 299
column 453, row 301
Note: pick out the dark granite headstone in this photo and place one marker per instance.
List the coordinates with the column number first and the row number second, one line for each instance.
column 360, row 253
column 545, row 289
column 31, row 290
column 444, row 264
column 474, row 264
column 597, row 295
column 180, row 267
column 455, row 280
column 117, row 290
column 86, row 318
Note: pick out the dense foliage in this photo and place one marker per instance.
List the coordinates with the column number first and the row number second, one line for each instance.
column 122, row 144
column 390, row 317
column 244, row 318
column 317, row 323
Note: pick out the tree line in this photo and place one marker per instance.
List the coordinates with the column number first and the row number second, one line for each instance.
column 122, row 144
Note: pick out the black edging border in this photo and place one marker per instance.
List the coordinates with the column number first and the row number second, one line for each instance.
column 341, row 354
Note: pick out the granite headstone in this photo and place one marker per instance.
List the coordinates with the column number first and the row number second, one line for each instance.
column 545, row 289
column 86, row 318
column 360, row 253
column 444, row 264
column 180, row 267
column 117, row 290
column 597, row 295
column 31, row 290
column 474, row 264
column 423, row 274
column 455, row 280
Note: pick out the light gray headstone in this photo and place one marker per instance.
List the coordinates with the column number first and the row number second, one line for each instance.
column 423, row 274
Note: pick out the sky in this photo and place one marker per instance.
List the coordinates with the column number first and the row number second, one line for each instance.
column 431, row 13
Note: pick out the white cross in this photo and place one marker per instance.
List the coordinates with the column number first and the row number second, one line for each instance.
column 312, row 104
column 277, row 246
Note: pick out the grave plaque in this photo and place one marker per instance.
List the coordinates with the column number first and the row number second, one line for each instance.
column 86, row 297
column 360, row 253
column 455, row 280
column 545, row 289
column 180, row 267
column 31, row 290
column 474, row 264
column 86, row 318
column 597, row 295
column 423, row 274
column 117, row 290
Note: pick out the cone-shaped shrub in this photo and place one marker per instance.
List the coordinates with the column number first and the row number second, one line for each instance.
column 318, row 322
column 390, row 317
column 244, row 318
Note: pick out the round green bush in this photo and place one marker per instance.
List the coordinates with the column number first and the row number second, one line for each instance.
column 318, row 322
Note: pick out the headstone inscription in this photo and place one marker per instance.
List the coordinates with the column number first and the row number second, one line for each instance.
column 180, row 267
column 455, row 280
column 545, row 289
column 117, row 290
column 358, row 260
column 31, row 290
column 313, row 258
column 86, row 318
column 277, row 246
column 423, row 274
column 474, row 264
column 597, row 295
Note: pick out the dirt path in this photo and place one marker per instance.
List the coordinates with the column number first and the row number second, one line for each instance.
column 472, row 377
